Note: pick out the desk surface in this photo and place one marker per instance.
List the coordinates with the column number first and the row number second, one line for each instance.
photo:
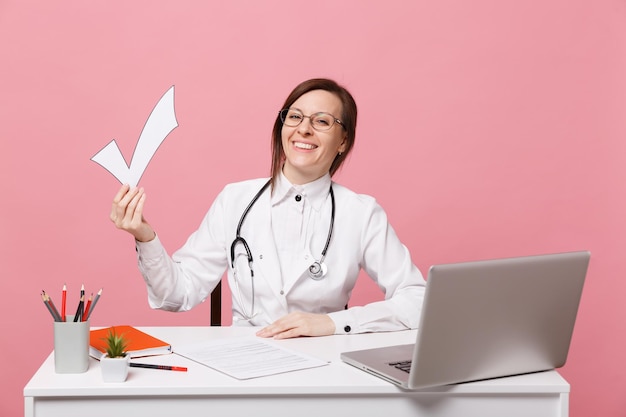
column 48, row 391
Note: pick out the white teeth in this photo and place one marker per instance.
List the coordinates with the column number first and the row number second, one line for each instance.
column 304, row 145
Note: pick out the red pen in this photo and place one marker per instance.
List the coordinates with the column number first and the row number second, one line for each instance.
column 63, row 302
column 85, row 315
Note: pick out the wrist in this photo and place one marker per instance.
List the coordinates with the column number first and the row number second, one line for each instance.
column 145, row 237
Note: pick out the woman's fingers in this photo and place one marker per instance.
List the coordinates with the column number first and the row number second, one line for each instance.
column 127, row 207
column 138, row 212
column 127, row 213
column 298, row 324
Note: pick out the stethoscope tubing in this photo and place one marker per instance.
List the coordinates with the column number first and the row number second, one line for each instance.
column 238, row 238
column 317, row 270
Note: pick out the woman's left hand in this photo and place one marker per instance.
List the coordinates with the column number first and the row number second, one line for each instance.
column 298, row 324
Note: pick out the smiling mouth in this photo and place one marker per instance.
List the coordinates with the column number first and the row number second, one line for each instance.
column 301, row 145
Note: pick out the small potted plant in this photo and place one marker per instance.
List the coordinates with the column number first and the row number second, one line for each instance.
column 115, row 362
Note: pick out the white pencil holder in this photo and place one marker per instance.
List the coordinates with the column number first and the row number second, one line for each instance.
column 71, row 346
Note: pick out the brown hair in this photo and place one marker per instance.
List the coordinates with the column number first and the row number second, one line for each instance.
column 348, row 117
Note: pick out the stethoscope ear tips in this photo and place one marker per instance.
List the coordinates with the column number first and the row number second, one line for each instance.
column 317, row 271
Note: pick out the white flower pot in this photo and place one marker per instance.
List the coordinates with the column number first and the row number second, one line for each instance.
column 114, row 369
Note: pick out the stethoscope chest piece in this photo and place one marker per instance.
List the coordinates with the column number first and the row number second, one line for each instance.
column 317, row 271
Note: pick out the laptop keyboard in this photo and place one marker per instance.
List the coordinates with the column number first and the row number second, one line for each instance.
column 402, row 365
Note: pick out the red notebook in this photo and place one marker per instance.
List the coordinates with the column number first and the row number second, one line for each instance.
column 139, row 343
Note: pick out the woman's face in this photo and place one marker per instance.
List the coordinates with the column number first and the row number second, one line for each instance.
column 310, row 153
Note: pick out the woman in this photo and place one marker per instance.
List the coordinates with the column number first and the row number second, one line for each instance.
column 293, row 245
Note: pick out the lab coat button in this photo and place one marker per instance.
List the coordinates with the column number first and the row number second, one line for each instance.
column 347, row 329
column 282, row 292
column 298, row 198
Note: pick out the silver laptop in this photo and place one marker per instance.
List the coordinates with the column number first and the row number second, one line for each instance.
column 486, row 319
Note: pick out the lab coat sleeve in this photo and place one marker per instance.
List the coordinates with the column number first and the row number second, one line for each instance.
column 388, row 262
column 184, row 280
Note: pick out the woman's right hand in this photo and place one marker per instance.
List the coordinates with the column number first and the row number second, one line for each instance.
column 127, row 213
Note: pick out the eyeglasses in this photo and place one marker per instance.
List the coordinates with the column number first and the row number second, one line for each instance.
column 319, row 121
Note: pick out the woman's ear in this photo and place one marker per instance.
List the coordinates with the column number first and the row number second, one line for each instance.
column 343, row 145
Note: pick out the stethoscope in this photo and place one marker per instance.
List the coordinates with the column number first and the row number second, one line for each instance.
column 317, row 271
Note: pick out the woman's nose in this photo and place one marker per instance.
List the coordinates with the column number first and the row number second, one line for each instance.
column 305, row 127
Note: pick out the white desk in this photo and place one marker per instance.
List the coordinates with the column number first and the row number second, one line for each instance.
column 334, row 390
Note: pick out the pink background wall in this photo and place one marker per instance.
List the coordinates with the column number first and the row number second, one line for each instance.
column 487, row 129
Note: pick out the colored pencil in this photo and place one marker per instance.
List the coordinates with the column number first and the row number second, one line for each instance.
column 93, row 305
column 57, row 316
column 45, row 301
column 79, row 309
column 162, row 367
column 85, row 316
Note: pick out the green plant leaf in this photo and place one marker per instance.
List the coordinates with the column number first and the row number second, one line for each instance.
column 115, row 344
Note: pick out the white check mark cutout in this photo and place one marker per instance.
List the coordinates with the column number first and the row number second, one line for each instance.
column 160, row 123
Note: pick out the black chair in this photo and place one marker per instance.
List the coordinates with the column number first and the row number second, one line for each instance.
column 216, row 305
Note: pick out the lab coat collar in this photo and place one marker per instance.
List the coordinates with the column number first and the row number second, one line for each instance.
column 315, row 192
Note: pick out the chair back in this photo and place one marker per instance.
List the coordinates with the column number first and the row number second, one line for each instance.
column 216, row 305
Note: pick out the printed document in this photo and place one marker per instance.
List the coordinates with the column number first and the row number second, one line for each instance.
column 247, row 357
